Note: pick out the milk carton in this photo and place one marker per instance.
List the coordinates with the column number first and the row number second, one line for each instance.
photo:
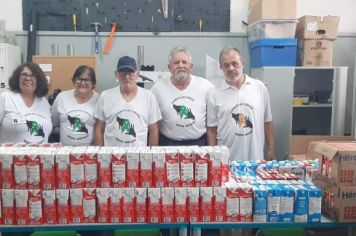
column 159, row 168
column 35, row 206
column 186, row 159
column 219, row 204
column 193, row 204
column 301, row 203
column 91, row 167
column 128, row 205
column 215, row 168
column 167, row 195
column 172, row 167
column 141, row 205
column 201, row 167
column 206, row 208
column 314, row 209
column 133, row 168
column 246, row 196
column 20, row 168
column 104, row 167
column 76, row 163
column 8, row 206
column 181, row 200
column 232, row 202
column 48, row 173
column 76, row 205
column 62, row 168
column 33, row 168
column 259, row 203
column 224, row 162
column 119, row 172
column 146, row 172
column 7, row 166
column 89, row 205
column 115, row 205
column 63, row 207
column 273, row 203
column 49, row 206
column 102, row 195
column 287, row 203
column 154, row 205
column 21, row 207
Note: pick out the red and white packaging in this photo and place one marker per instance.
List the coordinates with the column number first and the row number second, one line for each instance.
column 146, row 169
column 206, row 208
column 225, row 154
column 215, row 168
column 232, row 203
column 33, row 168
column 118, row 167
column 76, row 162
column 246, row 197
column 76, row 205
column 0, row 205
column 21, row 207
column 159, row 168
column 49, row 206
column 141, row 205
column 8, row 206
column 104, row 167
column 35, row 206
column 102, row 195
column 181, row 205
column 7, row 166
column 154, row 205
column 167, row 196
column 172, row 168
column 91, row 167
column 219, row 204
column 133, row 168
column 128, row 205
column 89, row 205
column 186, row 159
column 62, row 168
column 20, row 168
column 115, row 205
column 193, row 204
column 201, row 166
column 63, row 206
column 47, row 168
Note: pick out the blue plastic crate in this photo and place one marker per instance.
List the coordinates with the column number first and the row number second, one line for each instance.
column 273, row 52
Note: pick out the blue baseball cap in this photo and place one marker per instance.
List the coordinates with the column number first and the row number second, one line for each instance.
column 126, row 63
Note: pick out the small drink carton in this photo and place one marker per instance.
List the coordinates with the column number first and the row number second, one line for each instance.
column 201, row 167
column 76, row 159
column 133, row 168
column 186, row 159
column 21, row 207
column 76, row 205
column 89, row 205
column 115, row 205
column 167, row 195
column 8, row 206
column 33, row 168
column 63, row 207
column 35, row 206
column 206, row 208
column 91, row 167
column 141, row 205
column 219, row 204
column 20, row 168
column 146, row 169
column 49, row 206
column 128, row 205
column 159, row 168
column 154, row 205
column 172, row 168
column 104, row 167
column 102, row 194
column 232, row 202
column 193, row 204
column 118, row 163
column 48, row 173
column 62, row 168
column 181, row 204
column 246, row 196
column 7, row 166
column 259, row 203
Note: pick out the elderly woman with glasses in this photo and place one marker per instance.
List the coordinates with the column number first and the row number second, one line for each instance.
column 25, row 115
column 72, row 110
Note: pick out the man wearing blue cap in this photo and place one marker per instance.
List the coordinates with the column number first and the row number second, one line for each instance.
column 125, row 114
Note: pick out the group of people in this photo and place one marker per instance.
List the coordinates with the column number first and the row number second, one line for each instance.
column 182, row 110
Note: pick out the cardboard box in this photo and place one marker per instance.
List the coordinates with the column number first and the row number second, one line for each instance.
column 337, row 162
column 271, row 9
column 317, row 27
column 315, row 52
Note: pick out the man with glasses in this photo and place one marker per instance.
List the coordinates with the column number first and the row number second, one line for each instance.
column 182, row 100
column 125, row 114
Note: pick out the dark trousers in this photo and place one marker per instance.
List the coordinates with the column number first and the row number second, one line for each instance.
column 164, row 141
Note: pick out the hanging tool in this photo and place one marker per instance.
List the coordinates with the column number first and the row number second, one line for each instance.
column 200, row 24
column 74, row 17
column 111, row 37
column 165, row 8
column 96, row 25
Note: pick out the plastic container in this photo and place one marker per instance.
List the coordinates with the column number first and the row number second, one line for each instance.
column 271, row 29
column 273, row 52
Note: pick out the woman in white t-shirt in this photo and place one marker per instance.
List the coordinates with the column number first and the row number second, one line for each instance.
column 25, row 115
column 72, row 110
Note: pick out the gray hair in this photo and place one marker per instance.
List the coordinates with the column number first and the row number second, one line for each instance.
column 177, row 50
column 227, row 50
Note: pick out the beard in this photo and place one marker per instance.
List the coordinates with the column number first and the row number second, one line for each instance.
column 181, row 75
column 233, row 79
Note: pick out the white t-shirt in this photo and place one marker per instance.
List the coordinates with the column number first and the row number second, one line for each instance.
column 19, row 123
column 240, row 116
column 183, row 111
column 75, row 121
column 127, row 122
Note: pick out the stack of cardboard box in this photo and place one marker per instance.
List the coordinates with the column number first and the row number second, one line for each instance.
column 316, row 37
column 337, row 178
column 271, row 32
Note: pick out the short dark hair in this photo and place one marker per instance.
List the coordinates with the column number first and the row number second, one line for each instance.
column 228, row 49
column 81, row 70
column 41, row 80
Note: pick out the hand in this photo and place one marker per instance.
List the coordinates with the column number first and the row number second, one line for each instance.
column 271, row 155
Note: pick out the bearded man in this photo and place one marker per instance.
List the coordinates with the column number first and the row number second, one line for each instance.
column 239, row 113
column 182, row 101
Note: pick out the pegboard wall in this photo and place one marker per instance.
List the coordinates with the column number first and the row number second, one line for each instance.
column 130, row 15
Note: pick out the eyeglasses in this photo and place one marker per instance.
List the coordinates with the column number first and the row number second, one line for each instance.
column 24, row 76
column 80, row 80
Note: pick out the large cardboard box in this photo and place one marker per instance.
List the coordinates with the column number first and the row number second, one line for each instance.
column 337, row 161
column 315, row 52
column 339, row 202
column 317, row 27
column 271, row 9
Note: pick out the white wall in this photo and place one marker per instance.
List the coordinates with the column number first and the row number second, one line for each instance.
column 11, row 12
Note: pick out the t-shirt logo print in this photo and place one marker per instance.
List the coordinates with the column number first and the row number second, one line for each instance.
column 34, row 128
column 242, row 120
column 184, row 112
column 126, row 126
column 77, row 125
